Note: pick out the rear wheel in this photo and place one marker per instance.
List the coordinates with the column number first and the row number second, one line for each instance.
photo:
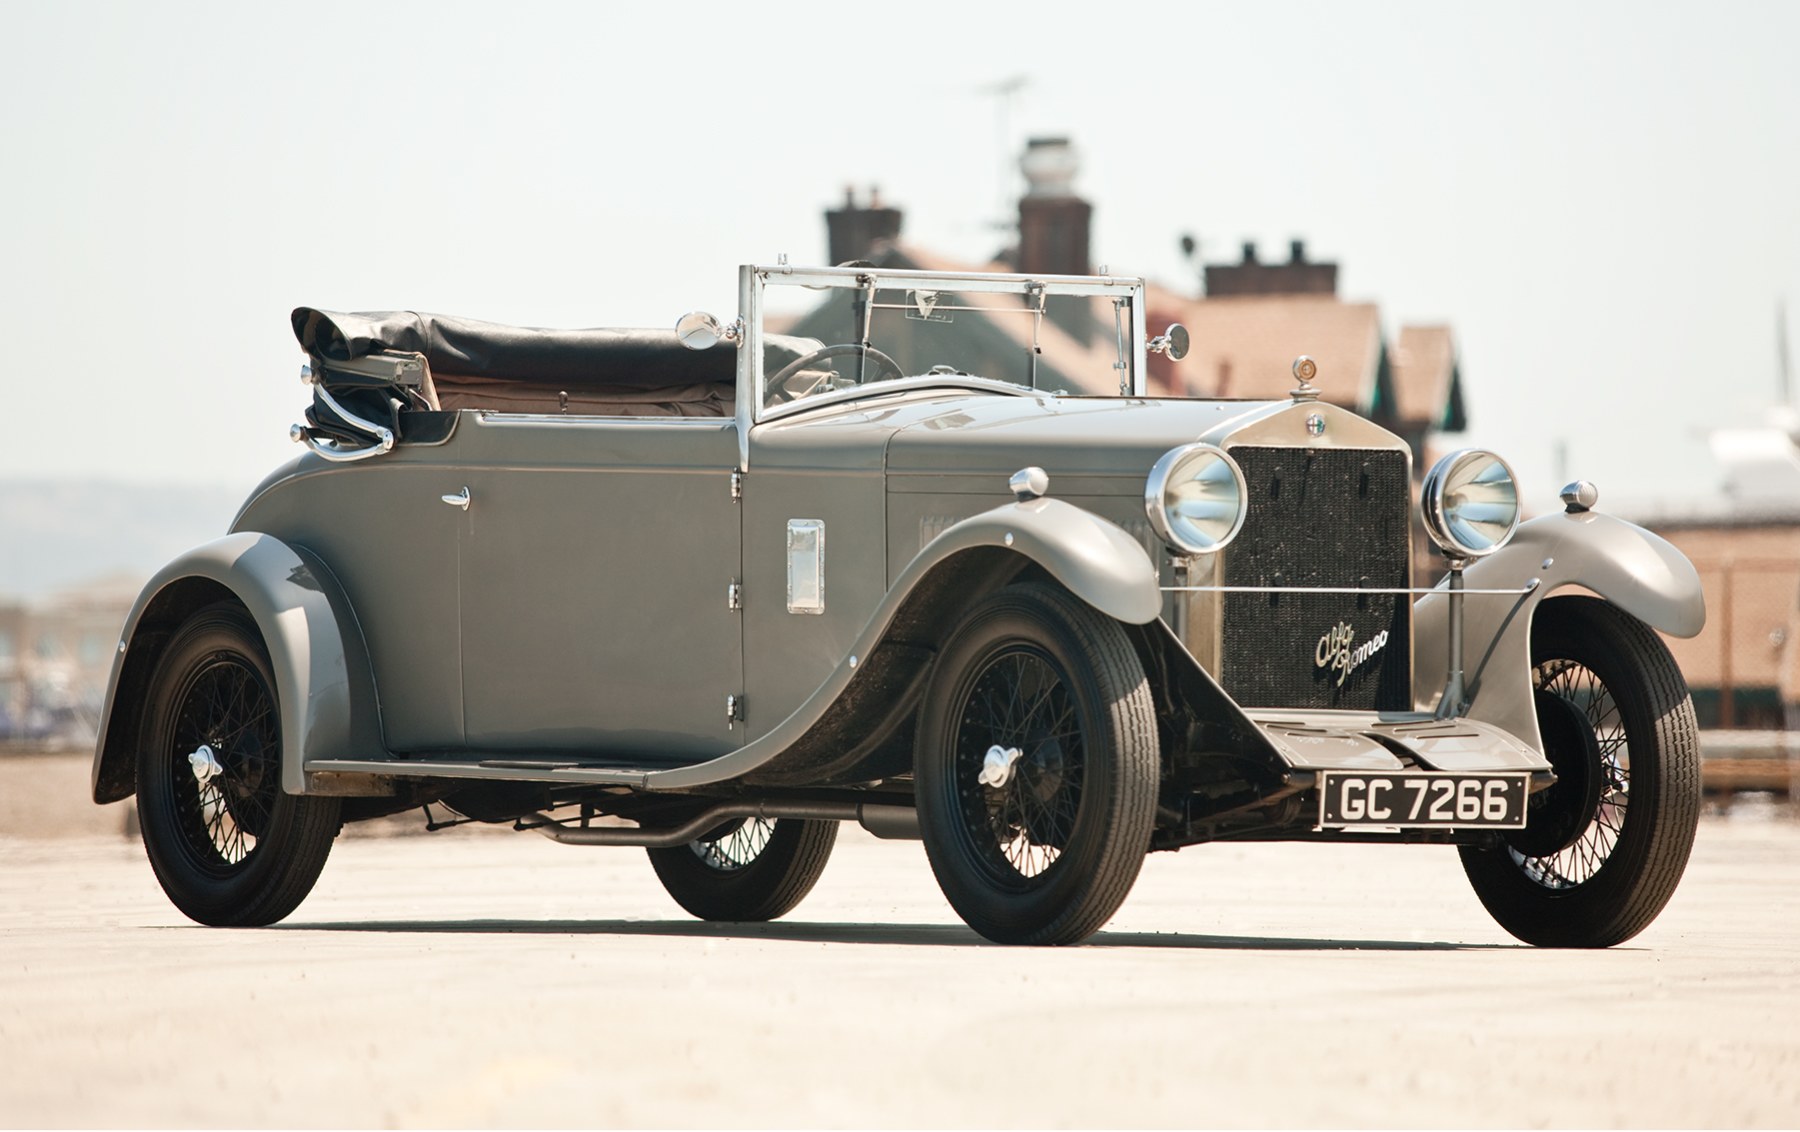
column 1036, row 767
column 229, row 847
column 747, row 870
column 1604, row 848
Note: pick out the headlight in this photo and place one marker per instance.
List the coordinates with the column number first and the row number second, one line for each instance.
column 1471, row 503
column 1195, row 498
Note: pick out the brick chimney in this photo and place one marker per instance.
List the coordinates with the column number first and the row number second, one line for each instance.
column 1298, row 276
column 1053, row 221
column 859, row 231
column 1053, row 227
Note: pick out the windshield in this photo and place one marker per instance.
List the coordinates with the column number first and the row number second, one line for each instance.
column 871, row 327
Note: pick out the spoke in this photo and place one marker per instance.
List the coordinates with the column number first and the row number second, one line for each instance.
column 737, row 849
column 225, row 705
column 1587, row 855
column 1019, row 701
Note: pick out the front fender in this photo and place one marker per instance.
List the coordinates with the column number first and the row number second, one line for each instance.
column 322, row 674
column 1627, row 565
column 1093, row 558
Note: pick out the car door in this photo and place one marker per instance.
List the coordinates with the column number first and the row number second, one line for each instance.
column 597, row 559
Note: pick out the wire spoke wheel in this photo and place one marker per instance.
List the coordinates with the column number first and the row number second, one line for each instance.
column 748, row 870
column 227, row 710
column 228, row 845
column 737, row 847
column 1581, row 859
column 1035, row 765
column 1605, row 846
column 1021, row 702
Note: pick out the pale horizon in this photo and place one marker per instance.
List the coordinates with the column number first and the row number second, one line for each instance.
column 1598, row 199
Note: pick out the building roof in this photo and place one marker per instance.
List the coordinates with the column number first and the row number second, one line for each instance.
column 1066, row 360
column 1245, row 346
column 1427, row 379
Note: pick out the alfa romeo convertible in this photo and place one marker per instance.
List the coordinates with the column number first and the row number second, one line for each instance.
column 869, row 552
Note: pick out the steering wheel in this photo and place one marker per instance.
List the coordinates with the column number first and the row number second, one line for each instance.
column 777, row 384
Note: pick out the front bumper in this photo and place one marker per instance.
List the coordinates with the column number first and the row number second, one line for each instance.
column 1311, row 741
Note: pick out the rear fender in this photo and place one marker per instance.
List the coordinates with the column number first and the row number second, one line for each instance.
column 1627, row 565
column 322, row 675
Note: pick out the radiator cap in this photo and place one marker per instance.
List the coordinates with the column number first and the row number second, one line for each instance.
column 1305, row 369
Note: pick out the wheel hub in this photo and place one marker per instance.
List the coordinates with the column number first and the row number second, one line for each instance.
column 205, row 763
column 997, row 767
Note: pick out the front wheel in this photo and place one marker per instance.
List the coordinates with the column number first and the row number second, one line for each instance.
column 748, row 870
column 1602, row 849
column 1036, row 767
column 229, row 847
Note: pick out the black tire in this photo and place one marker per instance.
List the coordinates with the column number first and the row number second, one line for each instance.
column 747, row 871
column 232, row 850
column 1047, row 850
column 1604, row 848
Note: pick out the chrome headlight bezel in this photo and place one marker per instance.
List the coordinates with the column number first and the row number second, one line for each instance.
column 1457, row 470
column 1178, row 466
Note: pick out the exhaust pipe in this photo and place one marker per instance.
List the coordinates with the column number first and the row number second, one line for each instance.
column 888, row 822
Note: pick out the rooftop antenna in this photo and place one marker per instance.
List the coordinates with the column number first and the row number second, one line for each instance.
column 1005, row 93
column 1190, row 251
column 1783, row 369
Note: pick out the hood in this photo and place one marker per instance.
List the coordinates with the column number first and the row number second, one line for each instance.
column 1063, row 435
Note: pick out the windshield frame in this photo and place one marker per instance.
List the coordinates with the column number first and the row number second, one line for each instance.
column 754, row 279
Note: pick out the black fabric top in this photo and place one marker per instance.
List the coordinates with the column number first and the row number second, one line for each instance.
column 489, row 349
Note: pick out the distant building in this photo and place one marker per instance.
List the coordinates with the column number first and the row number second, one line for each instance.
column 1255, row 318
column 55, row 658
column 1744, row 667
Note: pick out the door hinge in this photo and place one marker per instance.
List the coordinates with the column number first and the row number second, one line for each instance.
column 734, row 596
column 734, row 711
column 737, row 485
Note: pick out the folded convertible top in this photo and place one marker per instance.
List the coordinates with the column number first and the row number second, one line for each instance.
column 489, row 349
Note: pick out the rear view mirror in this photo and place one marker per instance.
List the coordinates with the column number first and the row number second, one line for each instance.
column 1173, row 342
column 698, row 330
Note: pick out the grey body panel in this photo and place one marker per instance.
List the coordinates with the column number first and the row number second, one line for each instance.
column 392, row 543
column 521, row 623
column 1630, row 567
column 948, row 466
column 1044, row 526
column 322, row 675
column 1094, row 559
column 830, row 466
column 595, row 557
column 1066, row 436
column 796, row 652
column 827, row 465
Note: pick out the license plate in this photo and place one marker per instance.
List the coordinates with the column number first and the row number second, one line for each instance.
column 1353, row 800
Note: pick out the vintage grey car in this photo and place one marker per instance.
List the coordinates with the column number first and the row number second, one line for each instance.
column 869, row 551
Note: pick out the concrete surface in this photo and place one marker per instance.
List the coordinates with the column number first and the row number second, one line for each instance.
column 474, row 978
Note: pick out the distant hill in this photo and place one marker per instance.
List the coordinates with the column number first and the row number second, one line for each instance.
column 56, row 534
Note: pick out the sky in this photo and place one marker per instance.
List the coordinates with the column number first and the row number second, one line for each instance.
column 1603, row 200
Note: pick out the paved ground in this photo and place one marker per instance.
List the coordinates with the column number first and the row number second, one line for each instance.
column 483, row 978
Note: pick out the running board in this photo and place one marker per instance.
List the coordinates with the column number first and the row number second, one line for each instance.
column 571, row 771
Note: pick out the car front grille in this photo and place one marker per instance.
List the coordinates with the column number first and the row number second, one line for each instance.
column 1320, row 517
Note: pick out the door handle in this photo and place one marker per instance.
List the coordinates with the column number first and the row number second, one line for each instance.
column 461, row 499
